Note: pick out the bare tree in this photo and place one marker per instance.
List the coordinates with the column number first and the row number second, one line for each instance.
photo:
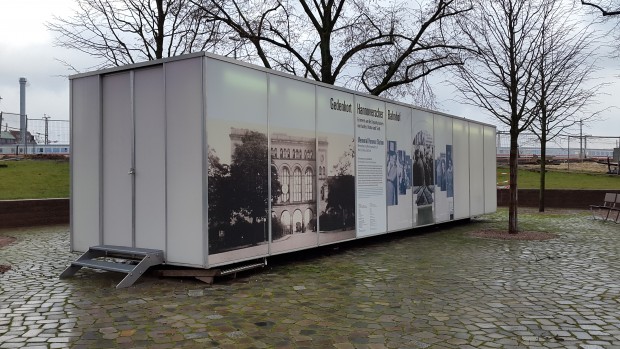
column 394, row 47
column 119, row 32
column 607, row 8
column 501, row 77
column 566, row 69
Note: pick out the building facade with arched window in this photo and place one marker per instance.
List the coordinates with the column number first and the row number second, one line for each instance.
column 295, row 160
column 301, row 170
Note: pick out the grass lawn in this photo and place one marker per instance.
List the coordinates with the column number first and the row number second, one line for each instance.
column 39, row 179
column 528, row 179
column 34, row 179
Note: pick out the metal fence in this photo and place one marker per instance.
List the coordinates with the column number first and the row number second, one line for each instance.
column 563, row 147
column 43, row 136
column 45, row 130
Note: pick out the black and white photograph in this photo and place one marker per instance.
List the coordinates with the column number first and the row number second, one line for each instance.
column 293, row 212
column 238, row 165
column 399, row 168
column 336, row 167
column 423, row 177
column 444, row 169
column 293, row 153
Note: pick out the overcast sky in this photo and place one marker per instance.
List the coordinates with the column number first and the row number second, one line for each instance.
column 26, row 50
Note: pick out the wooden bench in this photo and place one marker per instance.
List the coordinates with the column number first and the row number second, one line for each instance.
column 609, row 205
column 616, row 209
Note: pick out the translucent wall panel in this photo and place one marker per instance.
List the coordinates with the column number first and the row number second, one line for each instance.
column 423, row 168
column 238, row 185
column 85, row 162
column 490, row 172
column 444, row 169
column 336, row 165
column 399, row 168
column 292, row 136
column 476, row 169
column 460, row 154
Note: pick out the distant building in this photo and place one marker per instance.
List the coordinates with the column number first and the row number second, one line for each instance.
column 6, row 137
column 17, row 136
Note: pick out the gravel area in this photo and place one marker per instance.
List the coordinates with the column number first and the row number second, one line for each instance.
column 4, row 241
column 504, row 235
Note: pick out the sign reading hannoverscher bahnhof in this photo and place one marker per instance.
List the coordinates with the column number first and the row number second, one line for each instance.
column 216, row 162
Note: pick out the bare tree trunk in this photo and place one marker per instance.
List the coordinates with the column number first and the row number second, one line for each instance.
column 513, row 204
column 543, row 169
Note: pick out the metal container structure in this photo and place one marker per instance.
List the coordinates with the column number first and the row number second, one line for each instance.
column 215, row 162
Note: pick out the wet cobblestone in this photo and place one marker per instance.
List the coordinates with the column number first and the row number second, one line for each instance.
column 437, row 289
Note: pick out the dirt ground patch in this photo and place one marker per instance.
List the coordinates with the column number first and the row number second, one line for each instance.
column 522, row 235
column 586, row 167
column 4, row 241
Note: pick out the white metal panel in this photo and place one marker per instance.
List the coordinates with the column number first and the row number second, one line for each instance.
column 476, row 169
column 117, row 162
column 184, row 101
column 444, row 170
column 150, row 158
column 85, row 162
column 461, row 168
column 490, row 170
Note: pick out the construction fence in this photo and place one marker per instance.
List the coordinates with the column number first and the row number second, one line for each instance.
column 43, row 136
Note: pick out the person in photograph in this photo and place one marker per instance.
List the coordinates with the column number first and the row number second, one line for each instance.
column 418, row 169
column 402, row 176
column 428, row 167
column 392, row 179
column 450, row 179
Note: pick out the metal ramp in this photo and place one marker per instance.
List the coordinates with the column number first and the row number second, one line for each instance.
column 144, row 257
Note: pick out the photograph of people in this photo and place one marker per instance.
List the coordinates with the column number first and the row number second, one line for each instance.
column 393, row 174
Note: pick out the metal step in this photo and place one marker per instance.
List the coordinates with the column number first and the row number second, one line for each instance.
column 147, row 258
column 125, row 251
column 104, row 265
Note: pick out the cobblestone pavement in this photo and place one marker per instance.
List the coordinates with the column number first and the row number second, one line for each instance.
column 434, row 289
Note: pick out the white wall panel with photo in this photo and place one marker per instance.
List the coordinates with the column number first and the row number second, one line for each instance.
column 444, row 169
column 423, row 168
column 292, row 148
column 238, row 162
column 336, row 165
column 399, row 188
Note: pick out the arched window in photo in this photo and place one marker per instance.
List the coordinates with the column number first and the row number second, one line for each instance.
column 308, row 183
column 308, row 215
column 297, row 184
column 285, row 181
column 285, row 218
column 298, row 222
